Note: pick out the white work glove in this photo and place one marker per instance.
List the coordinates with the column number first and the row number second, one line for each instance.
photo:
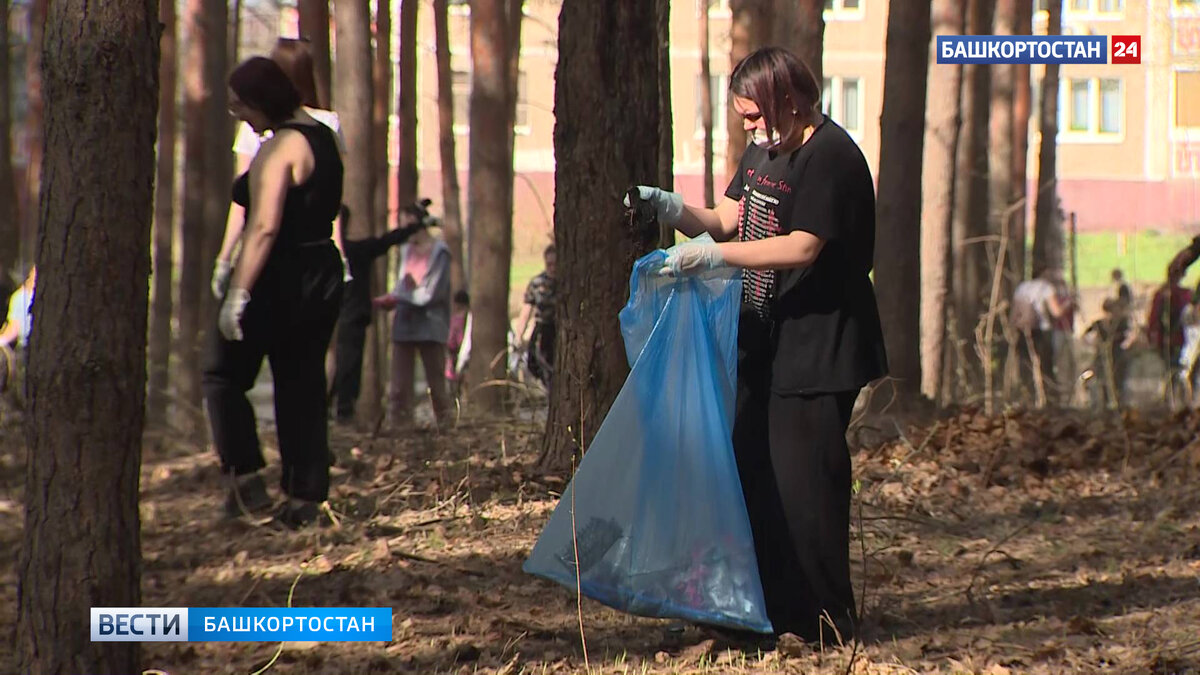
column 220, row 277
column 347, row 277
column 668, row 205
column 691, row 258
column 229, row 319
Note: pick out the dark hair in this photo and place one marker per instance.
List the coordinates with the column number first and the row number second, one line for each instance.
column 549, row 251
column 295, row 57
column 262, row 85
column 784, row 89
column 462, row 298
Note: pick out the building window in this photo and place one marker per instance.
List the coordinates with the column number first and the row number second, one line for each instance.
column 843, row 9
column 720, row 102
column 1091, row 106
column 1187, row 99
column 842, row 100
column 714, row 6
column 460, row 87
column 1094, row 6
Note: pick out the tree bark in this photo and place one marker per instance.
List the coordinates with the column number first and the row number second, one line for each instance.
column 598, row 154
column 406, row 104
column 971, row 269
column 353, row 82
column 82, row 544
column 10, row 227
column 193, row 266
column 489, row 196
column 33, row 127
column 809, row 40
column 314, row 25
column 1001, row 147
column 382, row 81
column 164, row 222
column 451, row 193
column 942, row 132
column 1047, row 228
column 218, row 151
column 898, row 244
column 666, row 122
column 706, row 104
column 749, row 25
column 1021, row 103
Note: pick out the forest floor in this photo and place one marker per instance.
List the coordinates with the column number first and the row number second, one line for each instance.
column 1019, row 543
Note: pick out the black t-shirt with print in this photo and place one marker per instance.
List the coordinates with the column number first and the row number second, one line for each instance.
column 820, row 323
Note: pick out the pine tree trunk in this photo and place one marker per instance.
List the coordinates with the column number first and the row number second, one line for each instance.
column 1000, row 151
column 194, row 268
column 809, row 33
column 82, row 544
column 406, row 104
column 34, row 112
column 218, row 152
column 353, row 82
column 942, row 132
column 666, row 122
column 898, row 226
column 749, row 26
column 599, row 90
column 971, row 269
column 451, row 193
column 314, row 25
column 10, row 227
column 1020, row 136
column 1047, row 229
column 706, row 105
column 489, row 196
column 164, row 222
column 382, row 81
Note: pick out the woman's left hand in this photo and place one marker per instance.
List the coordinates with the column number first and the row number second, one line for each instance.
column 691, row 258
column 229, row 320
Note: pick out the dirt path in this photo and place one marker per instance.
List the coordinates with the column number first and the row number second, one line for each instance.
column 1032, row 544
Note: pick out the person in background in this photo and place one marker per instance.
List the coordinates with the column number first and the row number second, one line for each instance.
column 1037, row 307
column 459, row 315
column 1113, row 335
column 421, row 299
column 799, row 219
column 1124, row 293
column 1165, row 324
column 282, row 302
column 295, row 58
column 355, row 316
column 19, row 320
column 539, row 306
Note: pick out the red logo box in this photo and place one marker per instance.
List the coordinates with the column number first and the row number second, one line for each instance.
column 1126, row 49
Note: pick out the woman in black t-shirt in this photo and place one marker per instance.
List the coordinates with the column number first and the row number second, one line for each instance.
column 799, row 218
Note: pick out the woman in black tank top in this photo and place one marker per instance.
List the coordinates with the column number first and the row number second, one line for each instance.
column 282, row 302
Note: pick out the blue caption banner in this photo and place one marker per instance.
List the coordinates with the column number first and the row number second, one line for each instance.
column 241, row 624
column 982, row 49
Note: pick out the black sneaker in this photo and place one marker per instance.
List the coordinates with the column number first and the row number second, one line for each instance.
column 294, row 514
column 248, row 497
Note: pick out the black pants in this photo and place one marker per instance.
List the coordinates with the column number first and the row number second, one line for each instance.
column 794, row 465
column 289, row 320
column 348, row 356
column 1042, row 344
column 541, row 351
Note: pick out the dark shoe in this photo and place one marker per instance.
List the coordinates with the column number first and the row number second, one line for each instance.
column 743, row 640
column 248, row 496
column 296, row 514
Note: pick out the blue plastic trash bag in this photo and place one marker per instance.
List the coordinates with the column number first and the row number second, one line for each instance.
column 655, row 515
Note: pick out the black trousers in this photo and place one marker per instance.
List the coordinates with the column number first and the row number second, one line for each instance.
column 289, row 321
column 794, row 465
column 348, row 357
column 541, row 351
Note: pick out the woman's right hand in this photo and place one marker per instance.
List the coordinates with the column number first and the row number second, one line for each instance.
column 668, row 205
column 220, row 277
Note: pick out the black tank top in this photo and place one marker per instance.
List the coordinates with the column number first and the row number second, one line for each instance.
column 310, row 207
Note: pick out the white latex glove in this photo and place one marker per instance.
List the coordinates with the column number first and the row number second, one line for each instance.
column 691, row 258
column 669, row 205
column 229, row 320
column 347, row 277
column 220, row 277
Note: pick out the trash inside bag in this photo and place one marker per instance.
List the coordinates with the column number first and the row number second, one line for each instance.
column 653, row 522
